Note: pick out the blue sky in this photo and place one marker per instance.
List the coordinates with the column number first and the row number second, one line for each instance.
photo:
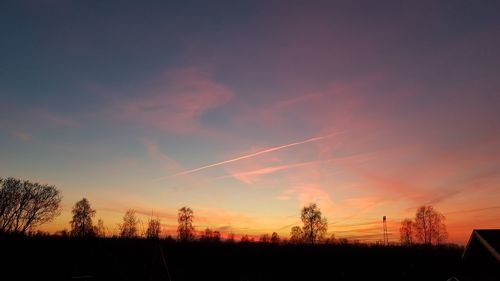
column 112, row 100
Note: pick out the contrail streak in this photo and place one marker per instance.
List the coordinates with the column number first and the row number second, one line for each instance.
column 255, row 154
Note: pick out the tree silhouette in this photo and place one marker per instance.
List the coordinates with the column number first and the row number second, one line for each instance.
column 185, row 229
column 275, row 238
column 429, row 226
column 81, row 225
column 230, row 238
column 210, row 236
column 100, row 230
column 206, row 235
column 245, row 239
column 129, row 227
column 216, row 236
column 440, row 232
column 154, row 228
column 331, row 240
column 264, row 238
column 25, row 205
column 296, row 235
column 406, row 232
column 315, row 226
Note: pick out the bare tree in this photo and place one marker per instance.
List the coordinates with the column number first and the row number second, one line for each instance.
column 429, row 226
column 275, row 238
column 296, row 235
column 129, row 227
column 315, row 226
column 154, row 228
column 441, row 233
column 185, row 228
column 406, row 232
column 100, row 230
column 25, row 205
column 81, row 225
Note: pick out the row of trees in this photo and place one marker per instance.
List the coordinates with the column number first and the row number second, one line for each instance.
column 82, row 225
column 25, row 205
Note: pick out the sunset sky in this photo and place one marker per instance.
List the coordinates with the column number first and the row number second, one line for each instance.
column 248, row 110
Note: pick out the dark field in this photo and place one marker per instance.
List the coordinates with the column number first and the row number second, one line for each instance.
column 120, row 259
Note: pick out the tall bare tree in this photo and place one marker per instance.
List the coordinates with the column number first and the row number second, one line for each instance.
column 315, row 226
column 128, row 229
column 25, row 205
column 154, row 228
column 296, row 235
column 185, row 227
column 406, row 232
column 81, row 225
column 429, row 225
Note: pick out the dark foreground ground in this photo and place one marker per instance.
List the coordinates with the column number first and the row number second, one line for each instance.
column 32, row 258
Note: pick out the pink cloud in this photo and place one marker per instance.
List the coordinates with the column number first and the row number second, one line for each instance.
column 253, row 176
column 177, row 104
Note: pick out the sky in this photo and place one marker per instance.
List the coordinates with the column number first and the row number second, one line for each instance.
column 246, row 111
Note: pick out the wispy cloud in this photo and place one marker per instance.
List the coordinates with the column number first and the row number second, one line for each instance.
column 249, row 176
column 176, row 103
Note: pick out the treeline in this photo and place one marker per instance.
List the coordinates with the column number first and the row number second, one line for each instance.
column 24, row 206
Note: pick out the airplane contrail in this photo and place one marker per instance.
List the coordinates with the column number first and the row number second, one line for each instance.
column 255, row 154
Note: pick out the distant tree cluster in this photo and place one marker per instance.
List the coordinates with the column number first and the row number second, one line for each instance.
column 273, row 238
column 230, row 238
column 24, row 205
column 210, row 236
column 427, row 227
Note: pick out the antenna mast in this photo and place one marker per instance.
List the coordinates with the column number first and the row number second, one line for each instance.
column 386, row 236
